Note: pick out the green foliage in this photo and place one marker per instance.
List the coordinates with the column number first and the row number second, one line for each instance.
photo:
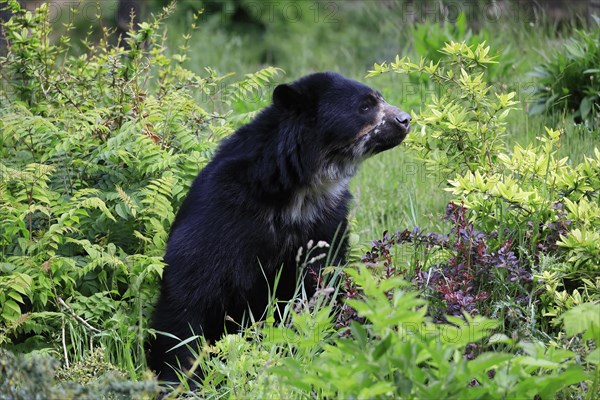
column 396, row 352
column 87, row 370
column 569, row 80
column 546, row 205
column 97, row 152
column 530, row 196
column 429, row 37
column 400, row 353
column 526, row 185
column 98, row 149
column 557, row 298
column 584, row 321
column 239, row 365
column 533, row 211
column 463, row 126
column 37, row 377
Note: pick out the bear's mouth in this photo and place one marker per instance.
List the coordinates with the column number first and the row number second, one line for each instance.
column 381, row 138
column 392, row 126
column 388, row 129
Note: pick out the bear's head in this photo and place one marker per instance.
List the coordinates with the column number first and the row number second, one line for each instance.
column 346, row 118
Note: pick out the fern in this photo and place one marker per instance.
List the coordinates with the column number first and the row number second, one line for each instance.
column 97, row 152
column 129, row 203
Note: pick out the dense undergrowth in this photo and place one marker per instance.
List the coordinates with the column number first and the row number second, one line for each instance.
column 99, row 147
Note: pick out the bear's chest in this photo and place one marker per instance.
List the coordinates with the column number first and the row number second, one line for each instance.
column 314, row 204
column 312, row 214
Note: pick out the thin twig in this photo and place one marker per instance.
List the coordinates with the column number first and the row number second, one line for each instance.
column 64, row 344
column 77, row 317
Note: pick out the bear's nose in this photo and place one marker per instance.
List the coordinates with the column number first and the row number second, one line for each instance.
column 403, row 120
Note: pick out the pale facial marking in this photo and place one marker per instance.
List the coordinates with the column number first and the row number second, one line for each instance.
column 379, row 120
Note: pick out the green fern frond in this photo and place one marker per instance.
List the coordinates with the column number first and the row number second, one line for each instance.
column 127, row 200
column 96, row 202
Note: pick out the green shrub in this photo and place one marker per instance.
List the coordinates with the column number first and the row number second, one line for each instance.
column 395, row 351
column 429, row 38
column 530, row 212
column 399, row 353
column 569, row 80
column 547, row 206
column 529, row 197
column 463, row 126
column 97, row 152
column 582, row 325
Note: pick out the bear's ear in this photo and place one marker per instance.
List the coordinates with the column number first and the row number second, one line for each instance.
column 287, row 97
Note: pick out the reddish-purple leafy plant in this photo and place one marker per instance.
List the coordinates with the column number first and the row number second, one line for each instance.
column 461, row 282
column 465, row 271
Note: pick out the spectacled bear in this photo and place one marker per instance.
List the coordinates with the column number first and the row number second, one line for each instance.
column 274, row 185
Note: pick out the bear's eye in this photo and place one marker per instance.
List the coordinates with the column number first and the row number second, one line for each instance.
column 368, row 103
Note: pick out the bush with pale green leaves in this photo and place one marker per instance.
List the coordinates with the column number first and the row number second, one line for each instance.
column 546, row 205
column 463, row 126
column 538, row 210
column 529, row 196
